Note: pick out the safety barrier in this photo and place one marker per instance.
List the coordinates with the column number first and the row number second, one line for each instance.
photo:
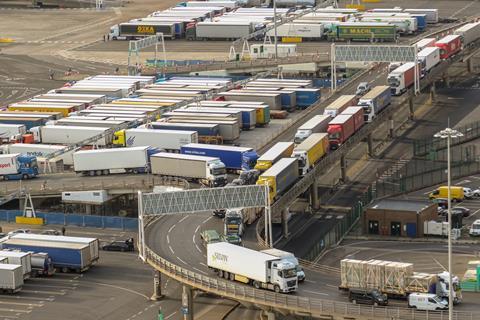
column 58, row 218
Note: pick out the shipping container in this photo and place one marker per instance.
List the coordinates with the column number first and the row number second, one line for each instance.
column 358, row 116
column 449, row 46
column 366, row 31
column 432, row 14
column 273, row 100
column 425, row 43
column 402, row 78
column 203, row 129
column 302, row 30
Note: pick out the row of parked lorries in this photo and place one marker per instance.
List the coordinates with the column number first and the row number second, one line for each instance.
column 26, row 255
column 225, row 20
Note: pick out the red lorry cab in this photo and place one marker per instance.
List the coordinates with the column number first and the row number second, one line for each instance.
column 340, row 129
column 449, row 46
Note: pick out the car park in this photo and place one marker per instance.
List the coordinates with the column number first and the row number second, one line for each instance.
column 373, row 297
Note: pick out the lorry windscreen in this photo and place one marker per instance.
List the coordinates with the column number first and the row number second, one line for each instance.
column 289, row 273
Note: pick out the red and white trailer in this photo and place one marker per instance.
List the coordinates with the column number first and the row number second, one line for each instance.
column 358, row 116
column 402, row 78
column 449, row 46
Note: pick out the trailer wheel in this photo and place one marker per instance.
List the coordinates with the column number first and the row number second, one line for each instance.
column 276, row 288
column 5, row 178
column 256, row 284
column 25, row 176
column 220, row 273
column 226, row 275
column 354, row 301
column 64, row 269
column 232, row 277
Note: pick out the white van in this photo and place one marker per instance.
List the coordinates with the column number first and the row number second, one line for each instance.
column 426, row 301
column 475, row 228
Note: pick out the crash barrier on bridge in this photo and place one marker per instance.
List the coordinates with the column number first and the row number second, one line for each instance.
column 293, row 303
column 58, row 218
column 426, row 147
column 417, row 174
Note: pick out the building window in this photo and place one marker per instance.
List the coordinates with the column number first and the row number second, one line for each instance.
column 373, row 227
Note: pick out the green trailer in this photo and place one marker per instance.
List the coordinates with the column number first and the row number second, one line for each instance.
column 363, row 32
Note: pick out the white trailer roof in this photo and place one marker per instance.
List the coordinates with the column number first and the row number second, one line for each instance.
column 217, row 147
column 279, row 167
column 5, row 266
column 47, row 244
column 183, row 156
column 274, row 151
column 46, row 237
column 112, row 150
column 16, row 254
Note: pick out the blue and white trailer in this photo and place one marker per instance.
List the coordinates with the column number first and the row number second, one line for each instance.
column 235, row 158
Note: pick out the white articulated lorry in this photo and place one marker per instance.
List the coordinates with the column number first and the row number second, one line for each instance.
column 252, row 267
column 287, row 256
column 117, row 160
column 70, row 135
column 11, row 277
column 316, row 124
column 206, row 170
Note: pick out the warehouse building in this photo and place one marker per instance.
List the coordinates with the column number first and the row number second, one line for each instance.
column 395, row 217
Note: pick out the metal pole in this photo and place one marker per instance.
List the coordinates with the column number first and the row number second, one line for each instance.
column 270, row 227
column 141, row 235
column 267, row 210
column 275, row 27
column 450, row 284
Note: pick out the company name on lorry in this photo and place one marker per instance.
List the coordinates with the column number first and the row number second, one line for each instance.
column 218, row 257
column 5, row 165
column 130, row 141
column 145, row 29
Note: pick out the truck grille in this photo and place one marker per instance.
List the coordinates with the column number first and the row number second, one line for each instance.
column 291, row 283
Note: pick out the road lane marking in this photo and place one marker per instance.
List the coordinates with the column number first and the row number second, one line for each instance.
column 29, row 298
column 182, row 260
column 183, row 219
column 198, row 228
column 48, row 286
column 206, row 220
column 319, row 293
column 15, row 310
column 203, row 264
column 22, row 304
column 171, row 228
column 58, row 293
column 331, row 286
column 168, row 239
column 201, row 271
column 309, row 281
column 170, row 315
column 437, row 262
column 170, row 247
column 119, row 288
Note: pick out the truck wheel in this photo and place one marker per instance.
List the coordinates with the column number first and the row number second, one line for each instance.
column 276, row 288
column 220, row 273
column 232, row 277
column 25, row 176
column 64, row 269
column 354, row 301
column 226, row 275
column 5, row 178
column 256, row 284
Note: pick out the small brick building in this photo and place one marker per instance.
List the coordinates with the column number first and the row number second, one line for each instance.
column 395, row 217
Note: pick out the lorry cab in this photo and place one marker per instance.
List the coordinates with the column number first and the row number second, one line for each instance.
column 28, row 166
column 426, row 301
column 283, row 276
column 249, row 160
column 456, row 193
column 270, row 182
column 218, row 173
column 114, row 32
column 233, row 223
column 475, row 228
column 119, row 138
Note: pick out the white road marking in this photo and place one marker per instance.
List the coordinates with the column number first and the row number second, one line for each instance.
column 29, row 298
column 183, row 219
column 309, row 281
column 168, row 238
column 203, row 264
column 208, row 219
column 171, row 228
column 201, row 271
column 198, row 248
column 58, row 293
column 118, row 287
column 170, row 315
column 170, row 247
column 22, row 304
column 437, row 262
column 15, row 310
column 198, row 228
column 331, row 286
column 319, row 293
column 182, row 260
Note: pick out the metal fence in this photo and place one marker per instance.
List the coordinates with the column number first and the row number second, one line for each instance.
column 420, row 173
column 425, row 147
column 336, row 234
column 58, row 218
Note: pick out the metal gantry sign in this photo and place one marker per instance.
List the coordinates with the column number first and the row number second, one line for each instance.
column 135, row 46
column 373, row 53
column 197, row 200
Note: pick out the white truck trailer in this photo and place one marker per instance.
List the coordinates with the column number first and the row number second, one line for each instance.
column 428, row 58
column 21, row 258
column 11, row 131
column 11, row 277
column 40, row 151
column 70, row 135
column 170, row 140
column 262, row 270
column 302, row 30
column 220, row 30
column 116, row 160
column 206, row 170
column 272, row 155
column 469, row 32
column 316, row 124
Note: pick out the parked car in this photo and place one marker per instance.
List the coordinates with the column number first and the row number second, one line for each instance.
column 2, row 235
column 468, row 193
column 362, row 88
column 461, row 210
column 52, row 232
column 123, row 246
column 372, row 296
column 476, row 192
column 11, row 233
column 210, row 236
column 475, row 228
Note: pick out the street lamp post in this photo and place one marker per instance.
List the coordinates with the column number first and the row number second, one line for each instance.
column 275, row 27
column 448, row 134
